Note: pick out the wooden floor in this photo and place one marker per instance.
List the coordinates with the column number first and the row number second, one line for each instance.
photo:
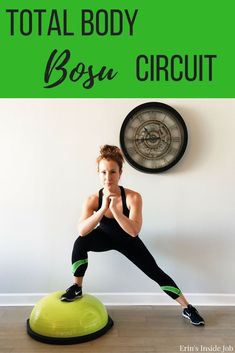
column 137, row 329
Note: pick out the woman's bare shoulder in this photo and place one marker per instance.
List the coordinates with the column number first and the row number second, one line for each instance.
column 92, row 201
column 132, row 195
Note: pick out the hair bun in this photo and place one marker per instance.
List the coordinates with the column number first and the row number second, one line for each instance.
column 108, row 149
column 111, row 152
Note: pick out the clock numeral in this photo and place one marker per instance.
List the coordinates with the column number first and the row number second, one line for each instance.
column 160, row 163
column 176, row 139
column 143, row 159
column 131, row 150
column 173, row 151
column 129, row 140
column 164, row 162
column 139, row 117
column 173, row 127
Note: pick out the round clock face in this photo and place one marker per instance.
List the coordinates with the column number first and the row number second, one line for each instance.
column 153, row 137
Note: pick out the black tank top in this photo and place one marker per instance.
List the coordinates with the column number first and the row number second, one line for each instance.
column 110, row 225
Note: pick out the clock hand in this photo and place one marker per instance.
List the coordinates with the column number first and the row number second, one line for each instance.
column 148, row 138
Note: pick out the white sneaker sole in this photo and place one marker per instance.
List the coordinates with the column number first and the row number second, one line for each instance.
column 201, row 323
column 63, row 299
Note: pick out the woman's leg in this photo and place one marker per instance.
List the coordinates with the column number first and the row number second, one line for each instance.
column 136, row 251
column 78, row 280
column 95, row 241
column 182, row 301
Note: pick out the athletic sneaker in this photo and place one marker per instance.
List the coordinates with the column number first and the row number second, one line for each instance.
column 192, row 314
column 72, row 293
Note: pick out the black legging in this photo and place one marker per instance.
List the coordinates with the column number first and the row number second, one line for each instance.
column 132, row 247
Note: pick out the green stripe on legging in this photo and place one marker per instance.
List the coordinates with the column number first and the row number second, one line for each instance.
column 171, row 289
column 78, row 263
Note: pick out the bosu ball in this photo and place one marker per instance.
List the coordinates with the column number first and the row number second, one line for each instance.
column 57, row 322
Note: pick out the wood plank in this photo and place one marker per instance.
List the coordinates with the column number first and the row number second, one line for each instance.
column 137, row 329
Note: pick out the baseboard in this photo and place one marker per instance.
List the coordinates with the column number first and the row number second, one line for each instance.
column 208, row 299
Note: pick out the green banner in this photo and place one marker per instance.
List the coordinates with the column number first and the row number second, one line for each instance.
column 117, row 49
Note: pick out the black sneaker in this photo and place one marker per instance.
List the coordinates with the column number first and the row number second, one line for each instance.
column 192, row 314
column 72, row 293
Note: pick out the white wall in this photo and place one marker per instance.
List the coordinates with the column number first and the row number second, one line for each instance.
column 47, row 159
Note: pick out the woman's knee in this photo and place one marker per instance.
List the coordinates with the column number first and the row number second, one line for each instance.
column 79, row 242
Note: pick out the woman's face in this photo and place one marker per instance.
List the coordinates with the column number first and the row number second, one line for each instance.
column 109, row 173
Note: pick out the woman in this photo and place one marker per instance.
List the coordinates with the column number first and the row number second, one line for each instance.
column 111, row 220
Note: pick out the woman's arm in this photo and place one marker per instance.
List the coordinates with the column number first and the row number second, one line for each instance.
column 131, row 225
column 89, row 218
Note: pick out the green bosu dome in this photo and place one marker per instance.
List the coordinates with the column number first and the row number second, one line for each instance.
column 57, row 322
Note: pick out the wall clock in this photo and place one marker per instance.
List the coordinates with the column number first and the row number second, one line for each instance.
column 153, row 137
